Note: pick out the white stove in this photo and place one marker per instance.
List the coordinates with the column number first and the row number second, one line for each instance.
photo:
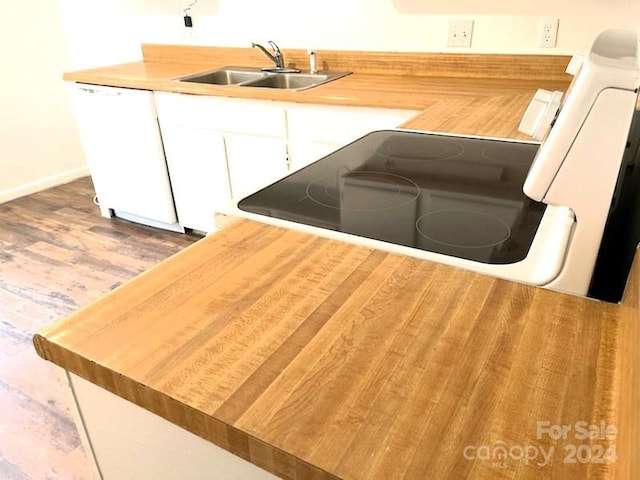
column 524, row 211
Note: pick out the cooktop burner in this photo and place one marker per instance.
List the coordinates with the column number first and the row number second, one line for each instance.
column 507, row 153
column 463, row 228
column 458, row 196
column 325, row 191
column 420, row 148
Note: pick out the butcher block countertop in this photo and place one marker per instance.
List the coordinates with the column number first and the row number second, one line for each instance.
column 317, row 359
column 416, row 81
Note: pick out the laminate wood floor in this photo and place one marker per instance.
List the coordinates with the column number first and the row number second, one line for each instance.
column 56, row 254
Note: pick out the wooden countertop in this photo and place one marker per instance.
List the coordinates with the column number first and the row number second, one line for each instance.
column 317, row 359
column 387, row 80
column 466, row 94
column 313, row 358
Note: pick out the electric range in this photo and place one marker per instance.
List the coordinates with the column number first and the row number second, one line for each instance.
column 440, row 193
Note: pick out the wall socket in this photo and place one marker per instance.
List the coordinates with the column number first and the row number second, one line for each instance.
column 548, row 32
column 187, row 33
column 460, row 33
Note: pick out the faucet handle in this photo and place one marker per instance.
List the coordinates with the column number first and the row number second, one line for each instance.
column 277, row 54
column 276, row 58
column 274, row 47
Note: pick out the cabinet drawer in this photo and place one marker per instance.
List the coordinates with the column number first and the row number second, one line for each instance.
column 340, row 125
column 233, row 115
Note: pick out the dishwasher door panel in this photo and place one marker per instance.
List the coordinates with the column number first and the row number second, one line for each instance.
column 123, row 147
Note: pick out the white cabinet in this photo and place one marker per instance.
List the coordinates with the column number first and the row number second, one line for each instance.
column 197, row 162
column 126, row 442
column 254, row 162
column 123, row 148
column 215, row 148
column 316, row 130
column 218, row 148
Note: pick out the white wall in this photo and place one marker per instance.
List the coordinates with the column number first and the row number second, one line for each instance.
column 39, row 146
column 101, row 31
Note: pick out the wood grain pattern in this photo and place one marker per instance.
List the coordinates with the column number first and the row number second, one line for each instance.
column 391, row 84
column 56, row 254
column 627, row 395
column 458, row 65
column 493, row 116
column 317, row 359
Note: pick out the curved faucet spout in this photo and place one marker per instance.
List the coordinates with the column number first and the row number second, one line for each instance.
column 276, row 57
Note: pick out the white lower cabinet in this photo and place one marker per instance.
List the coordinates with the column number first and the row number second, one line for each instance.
column 218, row 148
column 198, row 168
column 254, row 162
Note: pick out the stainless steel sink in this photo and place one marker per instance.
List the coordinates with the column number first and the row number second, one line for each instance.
column 224, row 76
column 289, row 81
column 255, row 77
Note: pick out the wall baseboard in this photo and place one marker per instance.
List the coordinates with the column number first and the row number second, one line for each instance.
column 43, row 183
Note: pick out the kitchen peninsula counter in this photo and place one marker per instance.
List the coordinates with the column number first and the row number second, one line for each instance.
column 313, row 358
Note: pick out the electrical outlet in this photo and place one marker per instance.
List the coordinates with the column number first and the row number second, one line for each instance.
column 460, row 32
column 187, row 33
column 548, row 32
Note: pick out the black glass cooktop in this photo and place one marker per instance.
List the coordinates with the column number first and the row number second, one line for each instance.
column 457, row 196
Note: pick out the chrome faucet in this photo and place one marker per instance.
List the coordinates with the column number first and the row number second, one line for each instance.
column 276, row 57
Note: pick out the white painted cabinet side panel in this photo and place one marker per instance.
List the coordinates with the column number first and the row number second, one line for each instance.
column 131, row 443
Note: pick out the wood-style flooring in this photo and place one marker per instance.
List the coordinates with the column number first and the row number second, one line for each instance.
column 56, row 254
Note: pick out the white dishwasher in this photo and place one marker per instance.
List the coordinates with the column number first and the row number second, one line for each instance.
column 123, row 147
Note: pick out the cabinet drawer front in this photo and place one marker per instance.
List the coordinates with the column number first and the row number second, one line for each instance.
column 340, row 125
column 302, row 154
column 233, row 115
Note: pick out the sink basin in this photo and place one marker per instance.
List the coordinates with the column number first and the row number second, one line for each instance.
column 225, row 76
column 255, row 77
column 289, row 81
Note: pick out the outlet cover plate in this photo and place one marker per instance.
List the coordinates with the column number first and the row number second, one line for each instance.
column 548, row 32
column 460, row 33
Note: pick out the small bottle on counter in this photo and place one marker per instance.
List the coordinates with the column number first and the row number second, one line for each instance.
column 312, row 62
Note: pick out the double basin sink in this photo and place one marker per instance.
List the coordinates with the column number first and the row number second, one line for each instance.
column 285, row 79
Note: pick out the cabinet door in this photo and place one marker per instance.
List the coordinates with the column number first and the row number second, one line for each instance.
column 254, row 162
column 198, row 171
